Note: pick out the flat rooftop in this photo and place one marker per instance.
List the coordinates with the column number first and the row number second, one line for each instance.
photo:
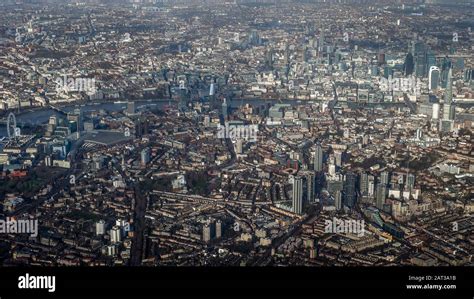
column 104, row 137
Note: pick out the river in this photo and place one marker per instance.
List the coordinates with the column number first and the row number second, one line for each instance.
column 41, row 116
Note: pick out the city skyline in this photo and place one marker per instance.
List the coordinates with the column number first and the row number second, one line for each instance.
column 236, row 133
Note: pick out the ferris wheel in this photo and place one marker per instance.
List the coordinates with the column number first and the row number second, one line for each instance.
column 12, row 130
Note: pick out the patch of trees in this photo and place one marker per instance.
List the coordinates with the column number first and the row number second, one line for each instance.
column 198, row 183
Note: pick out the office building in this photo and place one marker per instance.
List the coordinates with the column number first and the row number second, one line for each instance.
column 350, row 189
column 380, row 196
column 364, row 183
column 318, row 158
column 298, row 194
column 209, row 231
column 384, row 178
column 311, row 187
column 371, row 186
column 410, row 182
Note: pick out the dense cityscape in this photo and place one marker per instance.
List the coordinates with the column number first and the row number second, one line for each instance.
column 236, row 133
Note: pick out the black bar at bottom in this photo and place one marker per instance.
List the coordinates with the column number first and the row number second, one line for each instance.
column 222, row 282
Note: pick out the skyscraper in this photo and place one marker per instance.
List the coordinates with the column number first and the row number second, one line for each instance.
column 350, row 189
column 420, row 65
column 332, row 169
column 209, row 231
column 419, row 53
column 212, row 95
column 269, row 58
column 338, row 200
column 318, row 158
column 254, row 38
column 430, row 59
column 381, row 189
column 445, row 67
column 311, row 186
column 206, row 233
column 335, row 184
column 218, row 229
column 409, row 64
column 321, row 42
column 100, row 227
column 380, row 196
column 434, row 76
column 297, row 194
column 225, row 109
column 364, row 183
column 115, row 234
column 286, row 54
column 371, row 186
column 468, row 75
column 211, row 89
column 183, row 93
column 448, row 111
column 338, row 156
column 410, row 182
column 384, row 178
column 448, row 97
column 448, row 107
